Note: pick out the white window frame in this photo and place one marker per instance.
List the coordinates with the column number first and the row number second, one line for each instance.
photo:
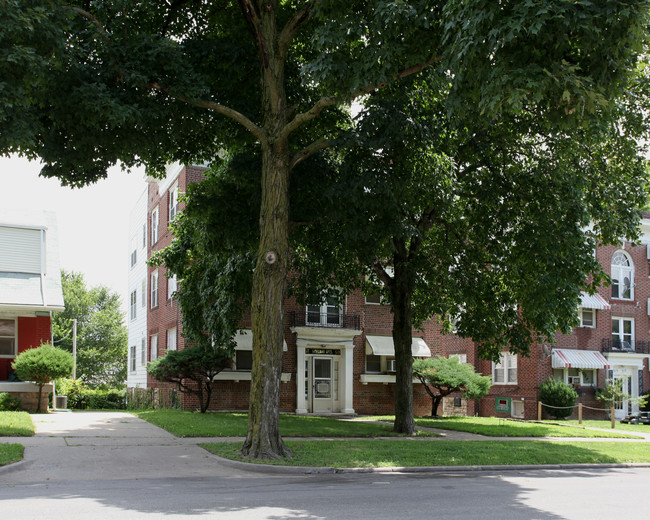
column 134, row 252
column 144, row 293
column 618, row 274
column 132, row 358
column 155, row 224
column 172, row 343
column 144, row 236
column 153, row 346
column 134, row 304
column 172, row 285
column 583, row 322
column 14, row 337
column 621, row 335
column 324, row 314
column 173, row 201
column 507, row 362
column 462, row 358
column 143, row 351
column 581, row 373
column 154, row 289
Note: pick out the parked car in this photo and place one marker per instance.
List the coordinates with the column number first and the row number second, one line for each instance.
column 637, row 418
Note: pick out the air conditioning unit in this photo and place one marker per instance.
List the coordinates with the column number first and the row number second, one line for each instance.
column 390, row 365
column 574, row 380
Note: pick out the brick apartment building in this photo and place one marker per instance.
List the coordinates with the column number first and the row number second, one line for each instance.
column 340, row 359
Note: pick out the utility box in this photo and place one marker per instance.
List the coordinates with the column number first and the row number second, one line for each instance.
column 62, row 401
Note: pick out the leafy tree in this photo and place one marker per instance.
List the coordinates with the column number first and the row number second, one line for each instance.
column 42, row 365
column 442, row 376
column 193, row 369
column 101, row 333
column 88, row 83
column 559, row 396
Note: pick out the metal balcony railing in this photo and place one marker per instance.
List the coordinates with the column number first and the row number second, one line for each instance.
column 327, row 320
column 617, row 345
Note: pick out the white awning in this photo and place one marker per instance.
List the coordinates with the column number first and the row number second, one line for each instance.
column 244, row 340
column 571, row 358
column 383, row 346
column 596, row 301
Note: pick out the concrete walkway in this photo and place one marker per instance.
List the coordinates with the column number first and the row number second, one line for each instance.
column 117, row 445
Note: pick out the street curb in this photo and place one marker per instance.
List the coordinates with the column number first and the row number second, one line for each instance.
column 307, row 470
column 13, row 466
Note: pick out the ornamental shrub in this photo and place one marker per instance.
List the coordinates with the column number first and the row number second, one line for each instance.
column 80, row 397
column 558, row 394
column 42, row 365
column 8, row 402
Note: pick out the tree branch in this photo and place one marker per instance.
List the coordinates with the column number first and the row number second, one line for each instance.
column 91, row 18
column 316, row 146
column 292, row 27
column 381, row 273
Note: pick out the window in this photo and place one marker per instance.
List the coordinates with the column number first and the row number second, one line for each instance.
column 623, row 333
column 173, row 201
column 588, row 318
column 171, row 286
column 327, row 314
column 171, row 339
column 505, row 371
column 462, row 358
column 154, row 289
column 622, row 276
column 154, row 225
column 132, row 360
column 144, row 236
column 373, row 363
column 153, row 347
column 243, row 360
column 144, row 293
column 373, row 298
column 7, row 338
column 143, row 352
column 134, row 252
column 134, row 302
column 575, row 376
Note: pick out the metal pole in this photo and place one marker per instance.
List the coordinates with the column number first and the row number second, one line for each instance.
column 74, row 348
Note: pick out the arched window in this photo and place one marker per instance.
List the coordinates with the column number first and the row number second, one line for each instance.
column 622, row 276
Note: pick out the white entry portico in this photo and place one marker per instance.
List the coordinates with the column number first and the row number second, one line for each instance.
column 324, row 370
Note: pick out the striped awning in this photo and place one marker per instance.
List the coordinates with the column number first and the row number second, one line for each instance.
column 383, row 346
column 244, row 340
column 593, row 301
column 571, row 358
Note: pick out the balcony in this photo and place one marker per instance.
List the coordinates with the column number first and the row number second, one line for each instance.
column 632, row 347
column 330, row 320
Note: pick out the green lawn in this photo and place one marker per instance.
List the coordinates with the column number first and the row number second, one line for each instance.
column 493, row 427
column 10, row 453
column 226, row 424
column 607, row 425
column 16, row 424
column 381, row 453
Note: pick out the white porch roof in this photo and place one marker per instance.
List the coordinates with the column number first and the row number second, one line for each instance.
column 383, row 346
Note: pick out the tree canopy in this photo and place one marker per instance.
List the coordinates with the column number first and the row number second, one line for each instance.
column 101, row 333
column 85, row 84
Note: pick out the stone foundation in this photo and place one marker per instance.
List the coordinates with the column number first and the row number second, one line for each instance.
column 28, row 394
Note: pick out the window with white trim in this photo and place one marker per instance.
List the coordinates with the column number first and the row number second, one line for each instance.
column 8, row 338
column 132, row 358
column 462, row 358
column 622, row 276
column 134, row 303
column 154, row 289
column 244, row 360
column 623, row 333
column 134, row 252
column 587, row 317
column 144, row 292
column 575, row 376
column 173, row 201
column 143, row 351
column 327, row 314
column 155, row 220
column 171, row 339
column 505, row 371
column 171, row 286
column 153, row 346
column 144, row 236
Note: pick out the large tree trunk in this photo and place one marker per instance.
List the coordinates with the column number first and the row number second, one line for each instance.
column 270, row 277
column 402, row 291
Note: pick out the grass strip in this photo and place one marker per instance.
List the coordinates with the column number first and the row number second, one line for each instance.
column 605, row 425
column 10, row 453
column 228, row 424
column 382, row 453
column 495, row 427
column 16, row 424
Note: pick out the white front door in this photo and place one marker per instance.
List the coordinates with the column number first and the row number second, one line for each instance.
column 322, row 384
column 621, row 406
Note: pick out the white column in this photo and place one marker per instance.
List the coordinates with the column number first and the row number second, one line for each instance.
column 301, row 405
column 348, row 371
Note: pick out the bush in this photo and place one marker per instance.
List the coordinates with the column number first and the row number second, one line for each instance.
column 42, row 365
column 80, row 397
column 644, row 402
column 558, row 393
column 9, row 403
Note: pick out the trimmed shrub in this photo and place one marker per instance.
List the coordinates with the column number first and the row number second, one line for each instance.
column 8, row 402
column 80, row 397
column 559, row 394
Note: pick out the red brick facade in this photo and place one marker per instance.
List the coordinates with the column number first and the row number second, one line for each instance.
column 32, row 331
column 376, row 320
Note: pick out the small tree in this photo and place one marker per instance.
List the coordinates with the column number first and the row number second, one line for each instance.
column 193, row 369
column 42, row 365
column 613, row 393
column 442, row 376
column 558, row 394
